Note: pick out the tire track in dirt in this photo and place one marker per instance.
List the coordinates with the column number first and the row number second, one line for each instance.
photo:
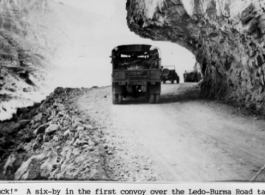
column 183, row 138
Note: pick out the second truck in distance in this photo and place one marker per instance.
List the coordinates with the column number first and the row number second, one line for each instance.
column 169, row 74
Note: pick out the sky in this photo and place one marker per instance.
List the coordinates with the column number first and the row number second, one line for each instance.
column 102, row 28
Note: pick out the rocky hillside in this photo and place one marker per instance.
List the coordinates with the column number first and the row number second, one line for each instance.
column 48, row 140
column 29, row 45
column 62, row 138
column 227, row 38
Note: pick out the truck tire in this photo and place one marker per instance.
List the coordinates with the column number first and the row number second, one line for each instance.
column 119, row 99
column 114, row 98
column 185, row 79
column 157, row 98
column 172, row 81
column 152, row 98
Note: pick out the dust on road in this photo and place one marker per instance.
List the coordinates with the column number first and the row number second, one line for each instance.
column 183, row 138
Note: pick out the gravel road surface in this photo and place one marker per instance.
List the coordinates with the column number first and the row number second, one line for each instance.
column 183, row 138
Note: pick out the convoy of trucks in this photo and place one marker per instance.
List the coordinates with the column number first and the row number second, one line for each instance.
column 137, row 72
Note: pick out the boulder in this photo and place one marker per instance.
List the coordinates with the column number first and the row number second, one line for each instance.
column 41, row 129
column 52, row 128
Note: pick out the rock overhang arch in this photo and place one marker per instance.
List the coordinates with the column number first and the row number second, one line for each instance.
column 226, row 37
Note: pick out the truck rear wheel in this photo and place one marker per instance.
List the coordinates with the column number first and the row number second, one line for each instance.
column 152, row 98
column 177, row 80
column 114, row 98
column 119, row 98
column 157, row 98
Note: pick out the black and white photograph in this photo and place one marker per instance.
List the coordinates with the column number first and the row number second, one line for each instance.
column 132, row 91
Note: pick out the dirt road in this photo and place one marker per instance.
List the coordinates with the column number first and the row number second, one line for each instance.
column 183, row 138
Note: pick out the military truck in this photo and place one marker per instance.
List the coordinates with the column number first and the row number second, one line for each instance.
column 136, row 72
column 169, row 74
column 192, row 76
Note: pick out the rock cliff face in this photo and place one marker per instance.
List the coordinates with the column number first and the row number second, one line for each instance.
column 28, row 43
column 226, row 36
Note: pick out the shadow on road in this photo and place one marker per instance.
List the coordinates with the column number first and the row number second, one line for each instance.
column 170, row 93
